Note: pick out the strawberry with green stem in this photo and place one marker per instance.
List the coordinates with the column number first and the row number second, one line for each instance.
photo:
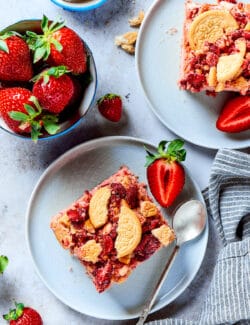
column 15, row 60
column 54, row 89
column 165, row 174
column 23, row 114
column 110, row 106
column 58, row 45
column 22, row 315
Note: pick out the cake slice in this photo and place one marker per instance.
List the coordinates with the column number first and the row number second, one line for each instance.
column 112, row 228
column 215, row 52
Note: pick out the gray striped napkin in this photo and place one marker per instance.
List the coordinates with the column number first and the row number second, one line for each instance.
column 228, row 203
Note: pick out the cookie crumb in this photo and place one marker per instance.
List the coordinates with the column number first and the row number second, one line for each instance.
column 127, row 41
column 136, row 21
column 172, row 31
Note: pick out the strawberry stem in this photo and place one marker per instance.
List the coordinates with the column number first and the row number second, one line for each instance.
column 107, row 96
column 56, row 72
column 173, row 152
column 40, row 44
column 35, row 119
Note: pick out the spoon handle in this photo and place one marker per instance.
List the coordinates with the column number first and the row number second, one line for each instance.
column 148, row 305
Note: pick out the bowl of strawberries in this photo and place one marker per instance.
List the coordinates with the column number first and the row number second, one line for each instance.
column 48, row 79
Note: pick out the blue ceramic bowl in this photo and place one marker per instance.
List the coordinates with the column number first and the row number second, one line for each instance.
column 79, row 6
column 89, row 92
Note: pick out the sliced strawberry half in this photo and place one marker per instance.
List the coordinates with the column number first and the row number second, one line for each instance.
column 166, row 176
column 235, row 115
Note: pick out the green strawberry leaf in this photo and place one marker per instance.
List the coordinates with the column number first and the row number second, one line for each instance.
column 39, row 53
column 175, row 145
column 51, row 128
column 18, row 116
column 56, row 25
column 50, row 124
column 181, row 155
column 19, row 309
column 45, row 24
column 150, row 158
column 35, row 130
column 34, row 100
column 56, row 72
column 40, row 42
column 4, row 46
column 161, row 147
column 14, row 314
column 174, row 152
column 31, row 34
column 31, row 111
column 57, row 45
column 45, row 79
column 3, row 263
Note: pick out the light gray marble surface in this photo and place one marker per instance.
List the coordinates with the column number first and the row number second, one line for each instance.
column 22, row 162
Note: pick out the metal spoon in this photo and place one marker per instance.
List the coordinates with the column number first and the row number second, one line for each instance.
column 188, row 223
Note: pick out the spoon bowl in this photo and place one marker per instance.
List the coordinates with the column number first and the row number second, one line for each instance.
column 188, row 223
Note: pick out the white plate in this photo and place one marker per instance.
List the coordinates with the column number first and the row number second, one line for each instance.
column 65, row 180
column 191, row 116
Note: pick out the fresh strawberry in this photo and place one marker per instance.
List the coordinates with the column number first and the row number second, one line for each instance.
column 166, row 176
column 23, row 316
column 110, row 106
column 235, row 115
column 54, row 89
column 58, row 45
column 22, row 112
column 15, row 60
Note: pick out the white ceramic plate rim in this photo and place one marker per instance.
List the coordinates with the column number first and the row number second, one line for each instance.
column 74, row 152
column 139, row 41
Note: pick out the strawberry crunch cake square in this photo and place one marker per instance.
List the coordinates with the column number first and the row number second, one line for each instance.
column 112, row 228
column 216, row 47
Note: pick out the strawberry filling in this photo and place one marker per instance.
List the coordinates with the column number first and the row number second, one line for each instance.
column 102, row 276
column 147, row 247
